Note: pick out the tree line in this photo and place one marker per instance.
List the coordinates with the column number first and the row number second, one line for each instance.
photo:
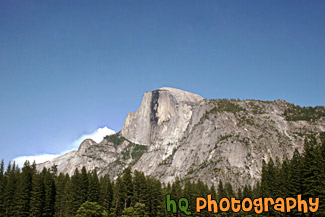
column 28, row 192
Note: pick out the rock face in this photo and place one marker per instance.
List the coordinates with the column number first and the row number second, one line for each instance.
column 177, row 133
column 162, row 118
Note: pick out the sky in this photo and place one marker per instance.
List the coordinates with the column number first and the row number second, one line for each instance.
column 71, row 69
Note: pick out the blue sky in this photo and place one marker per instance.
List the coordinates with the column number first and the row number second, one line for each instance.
column 68, row 68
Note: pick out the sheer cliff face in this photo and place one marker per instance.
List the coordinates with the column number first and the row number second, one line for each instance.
column 162, row 118
column 177, row 133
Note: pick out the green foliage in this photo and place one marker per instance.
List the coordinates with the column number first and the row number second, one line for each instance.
column 24, row 190
column 49, row 193
column 221, row 191
column 91, row 209
column 28, row 192
column 127, row 189
column 225, row 137
column 303, row 174
column 225, row 105
column 61, row 197
column 298, row 113
column 10, row 181
column 135, row 151
column 140, row 190
column 116, row 139
column 93, row 187
column 220, row 106
column 138, row 151
column 137, row 211
column 255, row 108
column 106, row 192
column 37, row 195
column 75, row 196
column 83, row 185
column 2, row 188
column 246, row 120
column 119, row 197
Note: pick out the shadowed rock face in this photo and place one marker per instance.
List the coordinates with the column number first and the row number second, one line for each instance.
column 154, row 107
column 177, row 133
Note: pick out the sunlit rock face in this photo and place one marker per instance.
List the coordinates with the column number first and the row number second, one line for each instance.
column 175, row 133
column 162, row 118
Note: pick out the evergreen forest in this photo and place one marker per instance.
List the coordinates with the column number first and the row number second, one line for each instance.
column 29, row 192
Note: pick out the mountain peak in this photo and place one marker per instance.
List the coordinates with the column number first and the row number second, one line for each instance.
column 182, row 95
column 86, row 144
column 164, row 114
column 175, row 133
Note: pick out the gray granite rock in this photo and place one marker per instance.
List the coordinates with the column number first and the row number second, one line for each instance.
column 177, row 133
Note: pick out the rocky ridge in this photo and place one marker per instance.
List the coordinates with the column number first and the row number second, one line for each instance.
column 177, row 133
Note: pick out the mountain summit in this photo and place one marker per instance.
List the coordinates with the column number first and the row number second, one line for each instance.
column 175, row 133
column 162, row 118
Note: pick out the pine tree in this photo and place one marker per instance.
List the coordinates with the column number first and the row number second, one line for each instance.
column 24, row 190
column 257, row 192
column 166, row 190
column 313, row 170
column 265, row 188
column 49, row 188
column 61, row 197
column 119, row 197
column 176, row 191
column 2, row 188
column 229, row 190
column 295, row 179
column 91, row 209
column 277, row 179
column 37, row 195
column 213, row 192
column 83, row 186
column 106, row 192
column 10, row 189
column 156, row 205
column 221, row 191
column 54, row 169
column 272, row 178
column 247, row 191
column 283, row 179
column 310, row 168
column 93, row 189
column 137, row 211
column 189, row 193
column 74, row 198
column 2, row 165
column 139, row 183
column 270, row 183
column 202, row 190
column 321, row 187
column 239, row 194
column 128, row 187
